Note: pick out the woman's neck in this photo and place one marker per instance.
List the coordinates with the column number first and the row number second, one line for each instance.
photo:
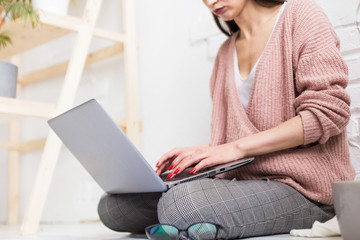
column 254, row 17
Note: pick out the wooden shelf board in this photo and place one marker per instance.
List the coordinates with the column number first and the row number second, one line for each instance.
column 51, row 27
column 60, row 68
column 25, row 37
column 26, row 146
column 24, row 108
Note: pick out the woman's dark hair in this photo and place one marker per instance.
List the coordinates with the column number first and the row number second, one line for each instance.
column 230, row 27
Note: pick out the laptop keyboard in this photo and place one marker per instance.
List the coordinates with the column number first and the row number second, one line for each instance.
column 184, row 174
column 181, row 175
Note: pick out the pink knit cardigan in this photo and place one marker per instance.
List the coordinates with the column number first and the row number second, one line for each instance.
column 301, row 72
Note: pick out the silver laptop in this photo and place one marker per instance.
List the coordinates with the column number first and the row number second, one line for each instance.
column 109, row 156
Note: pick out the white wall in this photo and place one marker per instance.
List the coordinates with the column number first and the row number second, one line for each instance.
column 343, row 17
column 178, row 42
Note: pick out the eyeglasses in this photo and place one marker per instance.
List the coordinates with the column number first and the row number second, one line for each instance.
column 197, row 231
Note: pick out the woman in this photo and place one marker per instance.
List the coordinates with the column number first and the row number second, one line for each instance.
column 278, row 94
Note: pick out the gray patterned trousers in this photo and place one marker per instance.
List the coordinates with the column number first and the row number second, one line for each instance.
column 243, row 208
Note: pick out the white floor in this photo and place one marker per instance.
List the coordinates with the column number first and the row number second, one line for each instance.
column 86, row 231
column 96, row 231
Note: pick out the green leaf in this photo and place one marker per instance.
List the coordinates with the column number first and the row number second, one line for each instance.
column 18, row 9
column 24, row 16
column 13, row 11
column 4, row 40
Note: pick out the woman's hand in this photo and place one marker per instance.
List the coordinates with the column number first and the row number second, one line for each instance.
column 201, row 156
column 287, row 135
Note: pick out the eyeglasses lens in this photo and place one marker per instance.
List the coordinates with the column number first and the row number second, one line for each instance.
column 163, row 232
column 203, row 231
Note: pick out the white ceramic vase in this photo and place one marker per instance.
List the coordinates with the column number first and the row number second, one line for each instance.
column 8, row 79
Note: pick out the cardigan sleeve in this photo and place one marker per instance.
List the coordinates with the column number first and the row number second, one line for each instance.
column 321, row 76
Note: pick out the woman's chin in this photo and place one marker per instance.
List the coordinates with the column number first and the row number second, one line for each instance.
column 226, row 18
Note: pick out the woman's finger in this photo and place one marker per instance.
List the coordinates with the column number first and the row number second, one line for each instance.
column 164, row 164
column 163, row 168
column 187, row 162
column 171, row 154
column 202, row 164
column 181, row 157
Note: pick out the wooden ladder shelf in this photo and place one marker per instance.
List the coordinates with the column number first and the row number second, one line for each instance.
column 24, row 38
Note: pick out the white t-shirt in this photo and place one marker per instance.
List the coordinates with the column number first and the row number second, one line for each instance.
column 245, row 85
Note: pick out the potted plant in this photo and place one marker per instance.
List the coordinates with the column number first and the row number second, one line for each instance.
column 11, row 10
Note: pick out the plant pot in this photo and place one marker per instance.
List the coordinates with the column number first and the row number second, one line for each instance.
column 54, row 6
column 8, row 79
